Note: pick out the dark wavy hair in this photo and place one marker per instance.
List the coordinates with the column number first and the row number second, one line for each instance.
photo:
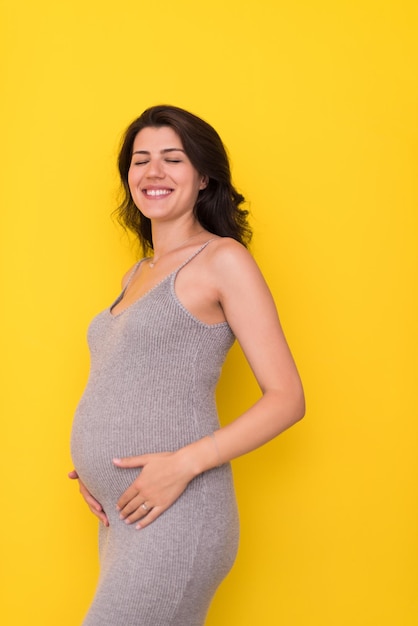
column 218, row 205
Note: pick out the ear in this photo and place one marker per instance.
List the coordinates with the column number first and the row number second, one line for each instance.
column 204, row 183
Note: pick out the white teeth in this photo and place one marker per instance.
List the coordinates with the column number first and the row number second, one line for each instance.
column 157, row 192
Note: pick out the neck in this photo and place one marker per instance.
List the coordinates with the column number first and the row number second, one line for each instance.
column 165, row 239
column 165, row 242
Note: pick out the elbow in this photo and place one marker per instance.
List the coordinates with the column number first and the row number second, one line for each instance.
column 290, row 406
column 298, row 404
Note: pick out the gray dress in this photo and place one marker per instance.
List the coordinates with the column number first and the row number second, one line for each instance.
column 154, row 369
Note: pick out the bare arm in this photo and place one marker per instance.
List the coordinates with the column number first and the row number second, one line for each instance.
column 251, row 313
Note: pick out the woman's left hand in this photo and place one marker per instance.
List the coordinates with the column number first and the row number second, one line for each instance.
column 163, row 478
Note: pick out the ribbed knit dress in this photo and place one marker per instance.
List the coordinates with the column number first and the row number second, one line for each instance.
column 154, row 369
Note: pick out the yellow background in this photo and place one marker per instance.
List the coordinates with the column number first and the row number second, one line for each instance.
column 317, row 104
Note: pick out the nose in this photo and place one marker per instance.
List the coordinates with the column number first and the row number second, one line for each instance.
column 154, row 169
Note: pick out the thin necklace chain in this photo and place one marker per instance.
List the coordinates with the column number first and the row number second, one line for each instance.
column 152, row 262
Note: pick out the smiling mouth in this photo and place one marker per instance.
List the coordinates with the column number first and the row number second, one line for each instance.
column 156, row 193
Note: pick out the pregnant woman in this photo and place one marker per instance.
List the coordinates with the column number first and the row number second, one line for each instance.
column 151, row 459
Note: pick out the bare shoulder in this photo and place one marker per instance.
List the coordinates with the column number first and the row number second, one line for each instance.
column 230, row 262
column 227, row 246
column 226, row 254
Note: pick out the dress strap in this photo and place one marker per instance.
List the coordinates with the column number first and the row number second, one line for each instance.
column 192, row 256
column 133, row 272
column 130, row 277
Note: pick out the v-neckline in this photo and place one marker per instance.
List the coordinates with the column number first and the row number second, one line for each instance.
column 151, row 289
column 141, row 297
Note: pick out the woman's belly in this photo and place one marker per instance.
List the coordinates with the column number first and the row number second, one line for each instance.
column 104, row 430
column 94, row 445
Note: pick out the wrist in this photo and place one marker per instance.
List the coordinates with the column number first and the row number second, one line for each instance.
column 200, row 456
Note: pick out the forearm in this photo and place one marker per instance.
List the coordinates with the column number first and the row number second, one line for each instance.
column 272, row 414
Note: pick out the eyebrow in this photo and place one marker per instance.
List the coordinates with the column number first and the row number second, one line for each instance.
column 165, row 151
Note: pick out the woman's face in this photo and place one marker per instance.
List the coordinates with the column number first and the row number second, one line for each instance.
column 162, row 181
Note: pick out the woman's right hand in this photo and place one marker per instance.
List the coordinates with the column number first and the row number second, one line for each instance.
column 94, row 506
